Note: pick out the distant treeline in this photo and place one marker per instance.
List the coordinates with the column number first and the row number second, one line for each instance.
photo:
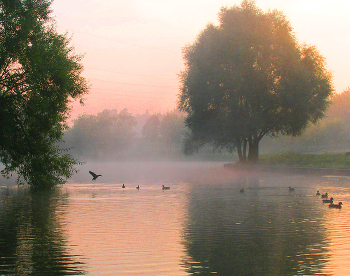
column 122, row 135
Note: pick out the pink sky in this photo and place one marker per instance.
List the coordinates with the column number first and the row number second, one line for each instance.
column 132, row 49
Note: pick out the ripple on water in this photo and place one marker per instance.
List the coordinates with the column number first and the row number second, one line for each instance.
column 194, row 228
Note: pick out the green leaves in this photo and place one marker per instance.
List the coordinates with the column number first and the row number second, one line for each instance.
column 39, row 75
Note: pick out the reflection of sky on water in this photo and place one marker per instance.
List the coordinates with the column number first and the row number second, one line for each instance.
column 337, row 225
column 127, row 231
column 202, row 225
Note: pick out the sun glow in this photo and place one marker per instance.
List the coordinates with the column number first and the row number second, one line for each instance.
column 123, row 42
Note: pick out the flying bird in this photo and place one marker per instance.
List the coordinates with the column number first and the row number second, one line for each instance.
column 94, row 176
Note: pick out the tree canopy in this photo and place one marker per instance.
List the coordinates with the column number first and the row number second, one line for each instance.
column 113, row 135
column 39, row 77
column 106, row 134
column 249, row 77
column 150, row 130
column 340, row 106
column 329, row 134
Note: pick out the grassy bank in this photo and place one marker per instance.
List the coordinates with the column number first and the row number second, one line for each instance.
column 324, row 160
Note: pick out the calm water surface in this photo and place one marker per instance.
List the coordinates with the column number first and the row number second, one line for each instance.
column 203, row 225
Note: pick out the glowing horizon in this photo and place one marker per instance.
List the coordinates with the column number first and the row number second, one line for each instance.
column 132, row 50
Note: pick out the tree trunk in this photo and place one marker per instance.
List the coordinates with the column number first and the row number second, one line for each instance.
column 242, row 151
column 239, row 152
column 245, row 150
column 253, row 154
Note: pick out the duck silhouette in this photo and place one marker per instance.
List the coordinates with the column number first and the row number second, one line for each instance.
column 291, row 189
column 138, row 187
column 123, row 186
column 165, row 188
column 318, row 193
column 94, row 175
column 324, row 195
column 338, row 206
column 241, row 190
column 328, row 200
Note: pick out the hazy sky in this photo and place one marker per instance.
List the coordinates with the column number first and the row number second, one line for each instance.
column 132, row 49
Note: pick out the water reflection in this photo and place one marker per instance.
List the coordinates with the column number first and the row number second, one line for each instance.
column 265, row 231
column 127, row 231
column 203, row 225
column 31, row 238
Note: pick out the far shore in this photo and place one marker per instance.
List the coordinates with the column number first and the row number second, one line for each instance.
column 288, row 169
column 322, row 164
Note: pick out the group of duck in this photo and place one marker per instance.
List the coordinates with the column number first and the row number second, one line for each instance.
column 138, row 187
column 330, row 200
column 95, row 176
column 324, row 199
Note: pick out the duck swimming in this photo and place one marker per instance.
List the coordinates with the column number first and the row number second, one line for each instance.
column 338, row 206
column 318, row 193
column 123, row 186
column 324, row 195
column 165, row 188
column 291, row 189
column 328, row 200
column 241, row 190
column 138, row 187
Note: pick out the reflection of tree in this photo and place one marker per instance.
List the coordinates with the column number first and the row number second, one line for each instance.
column 255, row 233
column 31, row 238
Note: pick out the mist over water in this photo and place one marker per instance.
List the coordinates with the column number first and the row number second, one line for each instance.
column 203, row 225
column 152, row 172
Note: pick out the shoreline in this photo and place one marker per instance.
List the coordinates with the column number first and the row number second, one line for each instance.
column 287, row 169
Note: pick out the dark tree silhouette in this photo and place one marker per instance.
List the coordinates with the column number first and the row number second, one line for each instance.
column 248, row 78
column 39, row 76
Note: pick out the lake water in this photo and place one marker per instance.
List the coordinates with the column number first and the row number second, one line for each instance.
column 203, row 225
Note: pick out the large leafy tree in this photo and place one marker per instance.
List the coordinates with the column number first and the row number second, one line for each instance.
column 39, row 76
column 249, row 77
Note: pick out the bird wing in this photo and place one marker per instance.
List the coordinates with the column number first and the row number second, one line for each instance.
column 93, row 174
